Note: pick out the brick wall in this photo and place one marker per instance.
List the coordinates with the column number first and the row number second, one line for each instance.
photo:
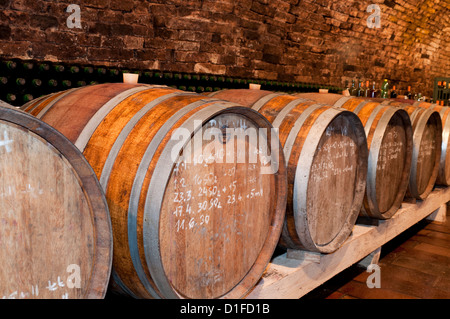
column 315, row 41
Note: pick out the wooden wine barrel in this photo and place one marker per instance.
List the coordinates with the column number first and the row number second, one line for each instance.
column 191, row 217
column 326, row 156
column 55, row 232
column 423, row 176
column 4, row 104
column 426, row 149
column 443, row 177
column 390, row 142
column 427, row 130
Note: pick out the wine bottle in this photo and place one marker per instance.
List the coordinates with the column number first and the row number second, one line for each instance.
column 114, row 76
column 52, row 83
column 66, row 84
column 36, row 83
column 58, row 68
column 353, row 90
column 18, row 87
column 360, row 92
column 27, row 66
column 393, row 93
column 43, row 67
column 3, row 81
column 8, row 66
column 385, row 89
column 88, row 70
column 374, row 93
column 100, row 75
column 11, row 98
column 36, row 88
column 20, row 82
column 409, row 93
column 74, row 69
column 157, row 78
column 27, row 98
column 367, row 90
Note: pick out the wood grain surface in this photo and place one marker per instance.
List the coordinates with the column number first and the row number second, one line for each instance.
column 56, row 232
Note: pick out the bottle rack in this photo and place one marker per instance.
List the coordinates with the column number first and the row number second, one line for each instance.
column 24, row 80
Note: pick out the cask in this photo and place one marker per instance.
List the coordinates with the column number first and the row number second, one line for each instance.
column 191, row 217
column 55, row 230
column 428, row 147
column 443, row 177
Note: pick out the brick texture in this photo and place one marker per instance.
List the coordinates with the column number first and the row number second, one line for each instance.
column 315, row 41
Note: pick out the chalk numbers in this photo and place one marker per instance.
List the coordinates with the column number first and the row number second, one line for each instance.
column 193, row 203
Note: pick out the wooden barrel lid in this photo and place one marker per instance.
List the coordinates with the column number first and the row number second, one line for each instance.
column 56, row 232
column 219, row 206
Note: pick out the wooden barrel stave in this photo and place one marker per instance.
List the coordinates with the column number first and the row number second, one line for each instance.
column 302, row 128
column 128, row 143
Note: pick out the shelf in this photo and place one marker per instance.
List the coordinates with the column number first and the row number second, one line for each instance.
column 289, row 278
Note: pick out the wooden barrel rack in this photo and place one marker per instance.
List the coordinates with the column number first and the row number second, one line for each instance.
column 295, row 273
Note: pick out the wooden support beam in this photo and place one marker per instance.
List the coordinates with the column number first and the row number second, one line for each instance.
column 372, row 258
column 303, row 255
column 439, row 215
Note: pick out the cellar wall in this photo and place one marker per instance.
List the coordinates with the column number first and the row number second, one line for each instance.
column 311, row 41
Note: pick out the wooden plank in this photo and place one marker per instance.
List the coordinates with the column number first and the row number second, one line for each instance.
column 289, row 278
column 303, row 255
column 439, row 215
column 372, row 258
